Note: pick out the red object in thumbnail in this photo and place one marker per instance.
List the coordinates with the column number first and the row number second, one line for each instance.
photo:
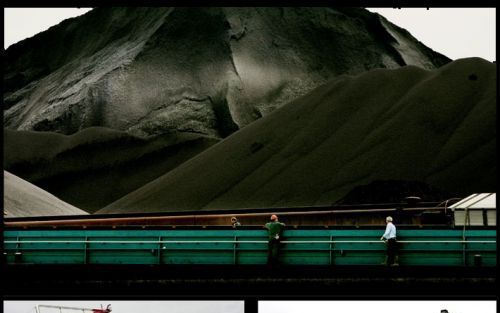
column 106, row 310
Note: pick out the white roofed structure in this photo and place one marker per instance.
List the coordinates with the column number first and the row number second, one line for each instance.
column 477, row 201
column 478, row 209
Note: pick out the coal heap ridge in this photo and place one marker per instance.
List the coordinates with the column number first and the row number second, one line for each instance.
column 22, row 199
column 436, row 127
column 149, row 71
column 96, row 166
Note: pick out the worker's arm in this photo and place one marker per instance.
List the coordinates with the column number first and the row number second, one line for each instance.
column 386, row 234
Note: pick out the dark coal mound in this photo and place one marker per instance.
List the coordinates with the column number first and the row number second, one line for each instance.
column 436, row 127
column 393, row 191
column 149, row 71
column 96, row 166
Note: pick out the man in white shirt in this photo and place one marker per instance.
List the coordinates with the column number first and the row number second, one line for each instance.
column 390, row 239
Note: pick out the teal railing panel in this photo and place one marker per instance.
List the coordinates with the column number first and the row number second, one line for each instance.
column 443, row 247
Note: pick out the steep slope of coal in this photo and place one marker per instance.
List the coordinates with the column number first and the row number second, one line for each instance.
column 436, row 127
column 96, row 166
column 148, row 71
column 394, row 191
column 22, row 199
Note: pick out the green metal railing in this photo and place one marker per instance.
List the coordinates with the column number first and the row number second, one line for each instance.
column 444, row 247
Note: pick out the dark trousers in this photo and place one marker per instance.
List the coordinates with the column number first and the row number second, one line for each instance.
column 392, row 250
column 273, row 252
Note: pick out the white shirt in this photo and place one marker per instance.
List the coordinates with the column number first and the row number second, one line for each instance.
column 390, row 231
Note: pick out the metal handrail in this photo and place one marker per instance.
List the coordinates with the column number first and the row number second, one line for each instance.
column 246, row 241
column 63, row 307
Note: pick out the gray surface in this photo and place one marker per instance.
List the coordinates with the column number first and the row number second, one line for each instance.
column 22, row 199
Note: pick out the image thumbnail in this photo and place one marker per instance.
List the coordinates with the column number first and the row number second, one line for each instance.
column 123, row 306
column 377, row 306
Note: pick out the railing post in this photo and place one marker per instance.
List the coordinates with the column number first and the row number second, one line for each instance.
column 159, row 250
column 331, row 251
column 464, row 251
column 235, row 250
column 85, row 252
column 17, row 254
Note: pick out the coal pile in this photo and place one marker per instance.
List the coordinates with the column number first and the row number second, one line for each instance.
column 22, row 199
column 436, row 127
column 149, row 71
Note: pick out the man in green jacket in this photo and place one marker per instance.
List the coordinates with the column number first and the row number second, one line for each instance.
column 275, row 231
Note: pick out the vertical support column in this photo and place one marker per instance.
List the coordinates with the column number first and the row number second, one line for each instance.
column 464, row 251
column 235, row 255
column 464, row 238
column 85, row 252
column 159, row 250
column 17, row 244
column 331, row 250
column 17, row 253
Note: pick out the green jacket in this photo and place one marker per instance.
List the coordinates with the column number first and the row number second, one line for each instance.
column 275, row 229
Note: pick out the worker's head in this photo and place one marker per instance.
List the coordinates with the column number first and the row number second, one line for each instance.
column 274, row 218
column 388, row 219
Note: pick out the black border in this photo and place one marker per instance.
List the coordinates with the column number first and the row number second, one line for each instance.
column 251, row 301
